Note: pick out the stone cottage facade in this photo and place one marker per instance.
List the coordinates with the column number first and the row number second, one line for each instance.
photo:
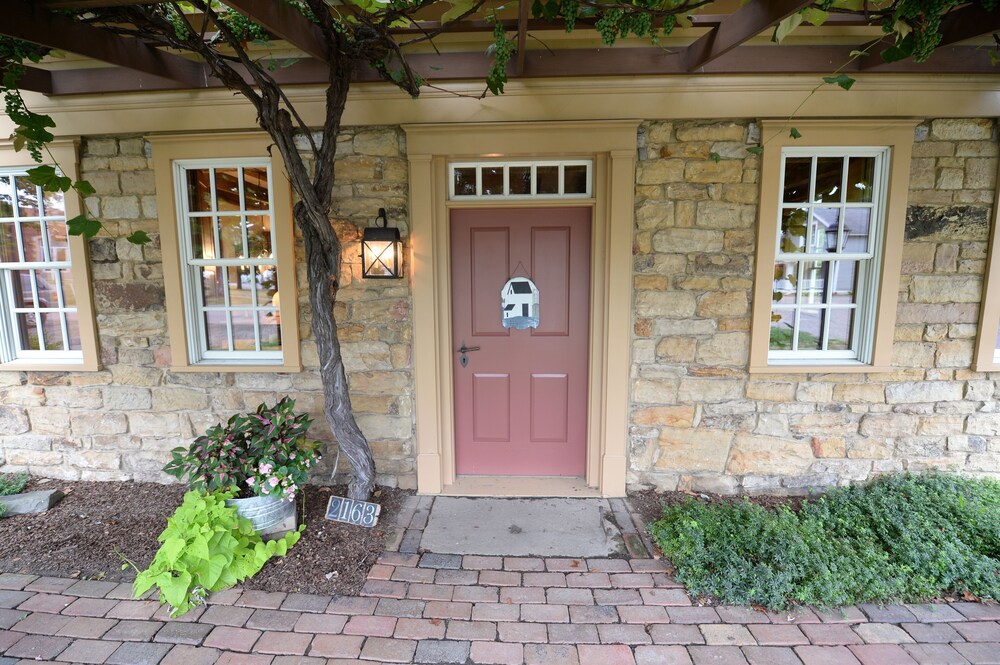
column 681, row 407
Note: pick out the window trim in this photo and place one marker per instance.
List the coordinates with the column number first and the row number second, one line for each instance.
column 897, row 136
column 987, row 358
column 223, row 147
column 66, row 153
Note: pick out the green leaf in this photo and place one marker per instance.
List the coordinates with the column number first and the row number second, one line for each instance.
column 815, row 16
column 795, row 134
column 714, row 156
column 785, row 28
column 84, row 188
column 83, row 225
column 843, row 80
column 172, row 549
column 756, row 150
column 139, row 238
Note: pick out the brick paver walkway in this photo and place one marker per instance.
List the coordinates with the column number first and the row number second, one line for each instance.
column 441, row 608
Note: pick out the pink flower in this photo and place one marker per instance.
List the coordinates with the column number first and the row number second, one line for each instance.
column 265, row 467
column 272, row 481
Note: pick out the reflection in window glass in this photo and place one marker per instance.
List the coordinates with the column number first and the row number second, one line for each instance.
column 492, row 180
column 575, row 179
column 520, row 180
column 547, row 179
column 465, row 182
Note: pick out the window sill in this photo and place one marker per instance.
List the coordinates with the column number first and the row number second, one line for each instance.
column 839, row 368
column 59, row 366
column 234, row 367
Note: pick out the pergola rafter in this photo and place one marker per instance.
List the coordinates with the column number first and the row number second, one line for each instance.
column 748, row 21
column 282, row 20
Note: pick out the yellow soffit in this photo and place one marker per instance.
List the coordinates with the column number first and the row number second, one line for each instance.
column 648, row 97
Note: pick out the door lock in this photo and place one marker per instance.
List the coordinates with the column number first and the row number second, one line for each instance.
column 463, row 359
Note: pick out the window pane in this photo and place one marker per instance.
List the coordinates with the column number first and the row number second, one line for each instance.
column 28, row 332
column 227, row 189
column 6, row 200
column 259, row 237
column 823, row 231
column 270, row 330
column 860, row 179
column 797, row 174
column 73, row 328
column 492, row 180
column 52, row 327
column 255, row 188
column 465, row 181
column 240, row 286
column 810, row 329
column 845, row 281
column 231, row 237
column 27, row 197
column 267, row 285
column 212, row 285
column 215, row 328
column 47, row 288
column 793, row 230
column 841, row 328
column 244, row 338
column 58, row 244
column 68, row 292
column 199, row 190
column 785, row 282
column 829, row 178
column 53, row 204
column 8, row 242
column 575, row 179
column 31, row 241
column 202, row 238
column 857, row 228
column 520, row 179
column 548, row 179
column 814, row 279
column 782, row 321
column 21, row 283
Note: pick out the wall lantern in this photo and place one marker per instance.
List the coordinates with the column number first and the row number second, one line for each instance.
column 380, row 250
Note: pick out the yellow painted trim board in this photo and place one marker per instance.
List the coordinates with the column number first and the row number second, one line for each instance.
column 989, row 314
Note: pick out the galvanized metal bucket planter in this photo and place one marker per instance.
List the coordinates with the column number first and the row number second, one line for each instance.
column 271, row 517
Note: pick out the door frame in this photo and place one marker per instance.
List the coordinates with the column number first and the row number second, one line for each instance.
column 612, row 146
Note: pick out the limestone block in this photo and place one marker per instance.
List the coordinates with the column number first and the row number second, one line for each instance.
column 772, row 424
column 356, row 167
column 659, row 132
column 950, row 178
column 976, row 390
column 859, row 392
column 824, row 424
column 761, row 484
column 918, row 257
column 263, row 381
column 989, row 462
column 676, row 349
column 660, row 171
column 27, row 503
column 19, row 457
column 829, row 446
column 383, row 142
column 363, row 356
column 686, row 191
column 385, row 427
column 723, row 304
column 986, row 424
column 178, row 399
column 128, row 297
column 84, row 424
column 955, row 353
column 665, row 303
column 13, row 420
column 980, row 173
column 93, row 459
column 937, row 289
column 28, row 441
column 693, row 449
column 699, row 390
column 393, row 383
column 722, row 215
column 727, row 170
column 74, row 397
column 154, row 424
column 724, row 349
column 922, row 173
column 27, row 395
column 655, row 215
column 870, row 449
column 710, row 484
column 127, row 398
column 962, row 129
column 769, row 455
column 888, row 425
column 771, row 391
column 818, row 392
column 923, row 391
column 945, row 313
column 666, row 416
column 648, row 391
column 718, row 131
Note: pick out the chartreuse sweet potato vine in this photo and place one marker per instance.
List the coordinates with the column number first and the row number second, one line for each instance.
column 901, row 538
column 206, row 547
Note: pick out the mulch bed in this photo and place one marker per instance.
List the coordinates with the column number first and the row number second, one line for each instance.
column 84, row 534
column 649, row 503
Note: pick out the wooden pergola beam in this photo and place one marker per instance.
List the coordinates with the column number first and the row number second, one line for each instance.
column 283, row 20
column 522, row 35
column 35, row 80
column 968, row 22
column 748, row 21
column 34, row 24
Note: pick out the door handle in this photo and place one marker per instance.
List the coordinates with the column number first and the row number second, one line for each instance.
column 464, row 359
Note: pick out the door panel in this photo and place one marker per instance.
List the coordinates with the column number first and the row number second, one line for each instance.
column 521, row 401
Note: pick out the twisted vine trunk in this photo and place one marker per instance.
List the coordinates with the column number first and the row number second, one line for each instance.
column 324, row 271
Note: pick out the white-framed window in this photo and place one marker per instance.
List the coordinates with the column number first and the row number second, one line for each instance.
column 830, row 231
column 520, row 180
column 37, row 291
column 228, row 262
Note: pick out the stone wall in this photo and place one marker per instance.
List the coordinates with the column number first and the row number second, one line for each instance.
column 699, row 421
column 120, row 423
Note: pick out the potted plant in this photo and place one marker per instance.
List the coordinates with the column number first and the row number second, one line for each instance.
column 263, row 457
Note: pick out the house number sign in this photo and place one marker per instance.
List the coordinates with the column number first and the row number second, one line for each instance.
column 519, row 304
column 349, row 511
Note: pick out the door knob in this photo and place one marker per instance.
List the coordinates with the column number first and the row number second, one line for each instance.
column 464, row 359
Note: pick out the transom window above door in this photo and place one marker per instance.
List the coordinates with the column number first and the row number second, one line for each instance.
column 520, row 180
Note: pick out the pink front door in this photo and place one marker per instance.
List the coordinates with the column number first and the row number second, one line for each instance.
column 521, row 401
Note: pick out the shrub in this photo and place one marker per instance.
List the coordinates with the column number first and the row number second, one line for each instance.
column 206, row 547
column 901, row 538
column 264, row 453
column 13, row 483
